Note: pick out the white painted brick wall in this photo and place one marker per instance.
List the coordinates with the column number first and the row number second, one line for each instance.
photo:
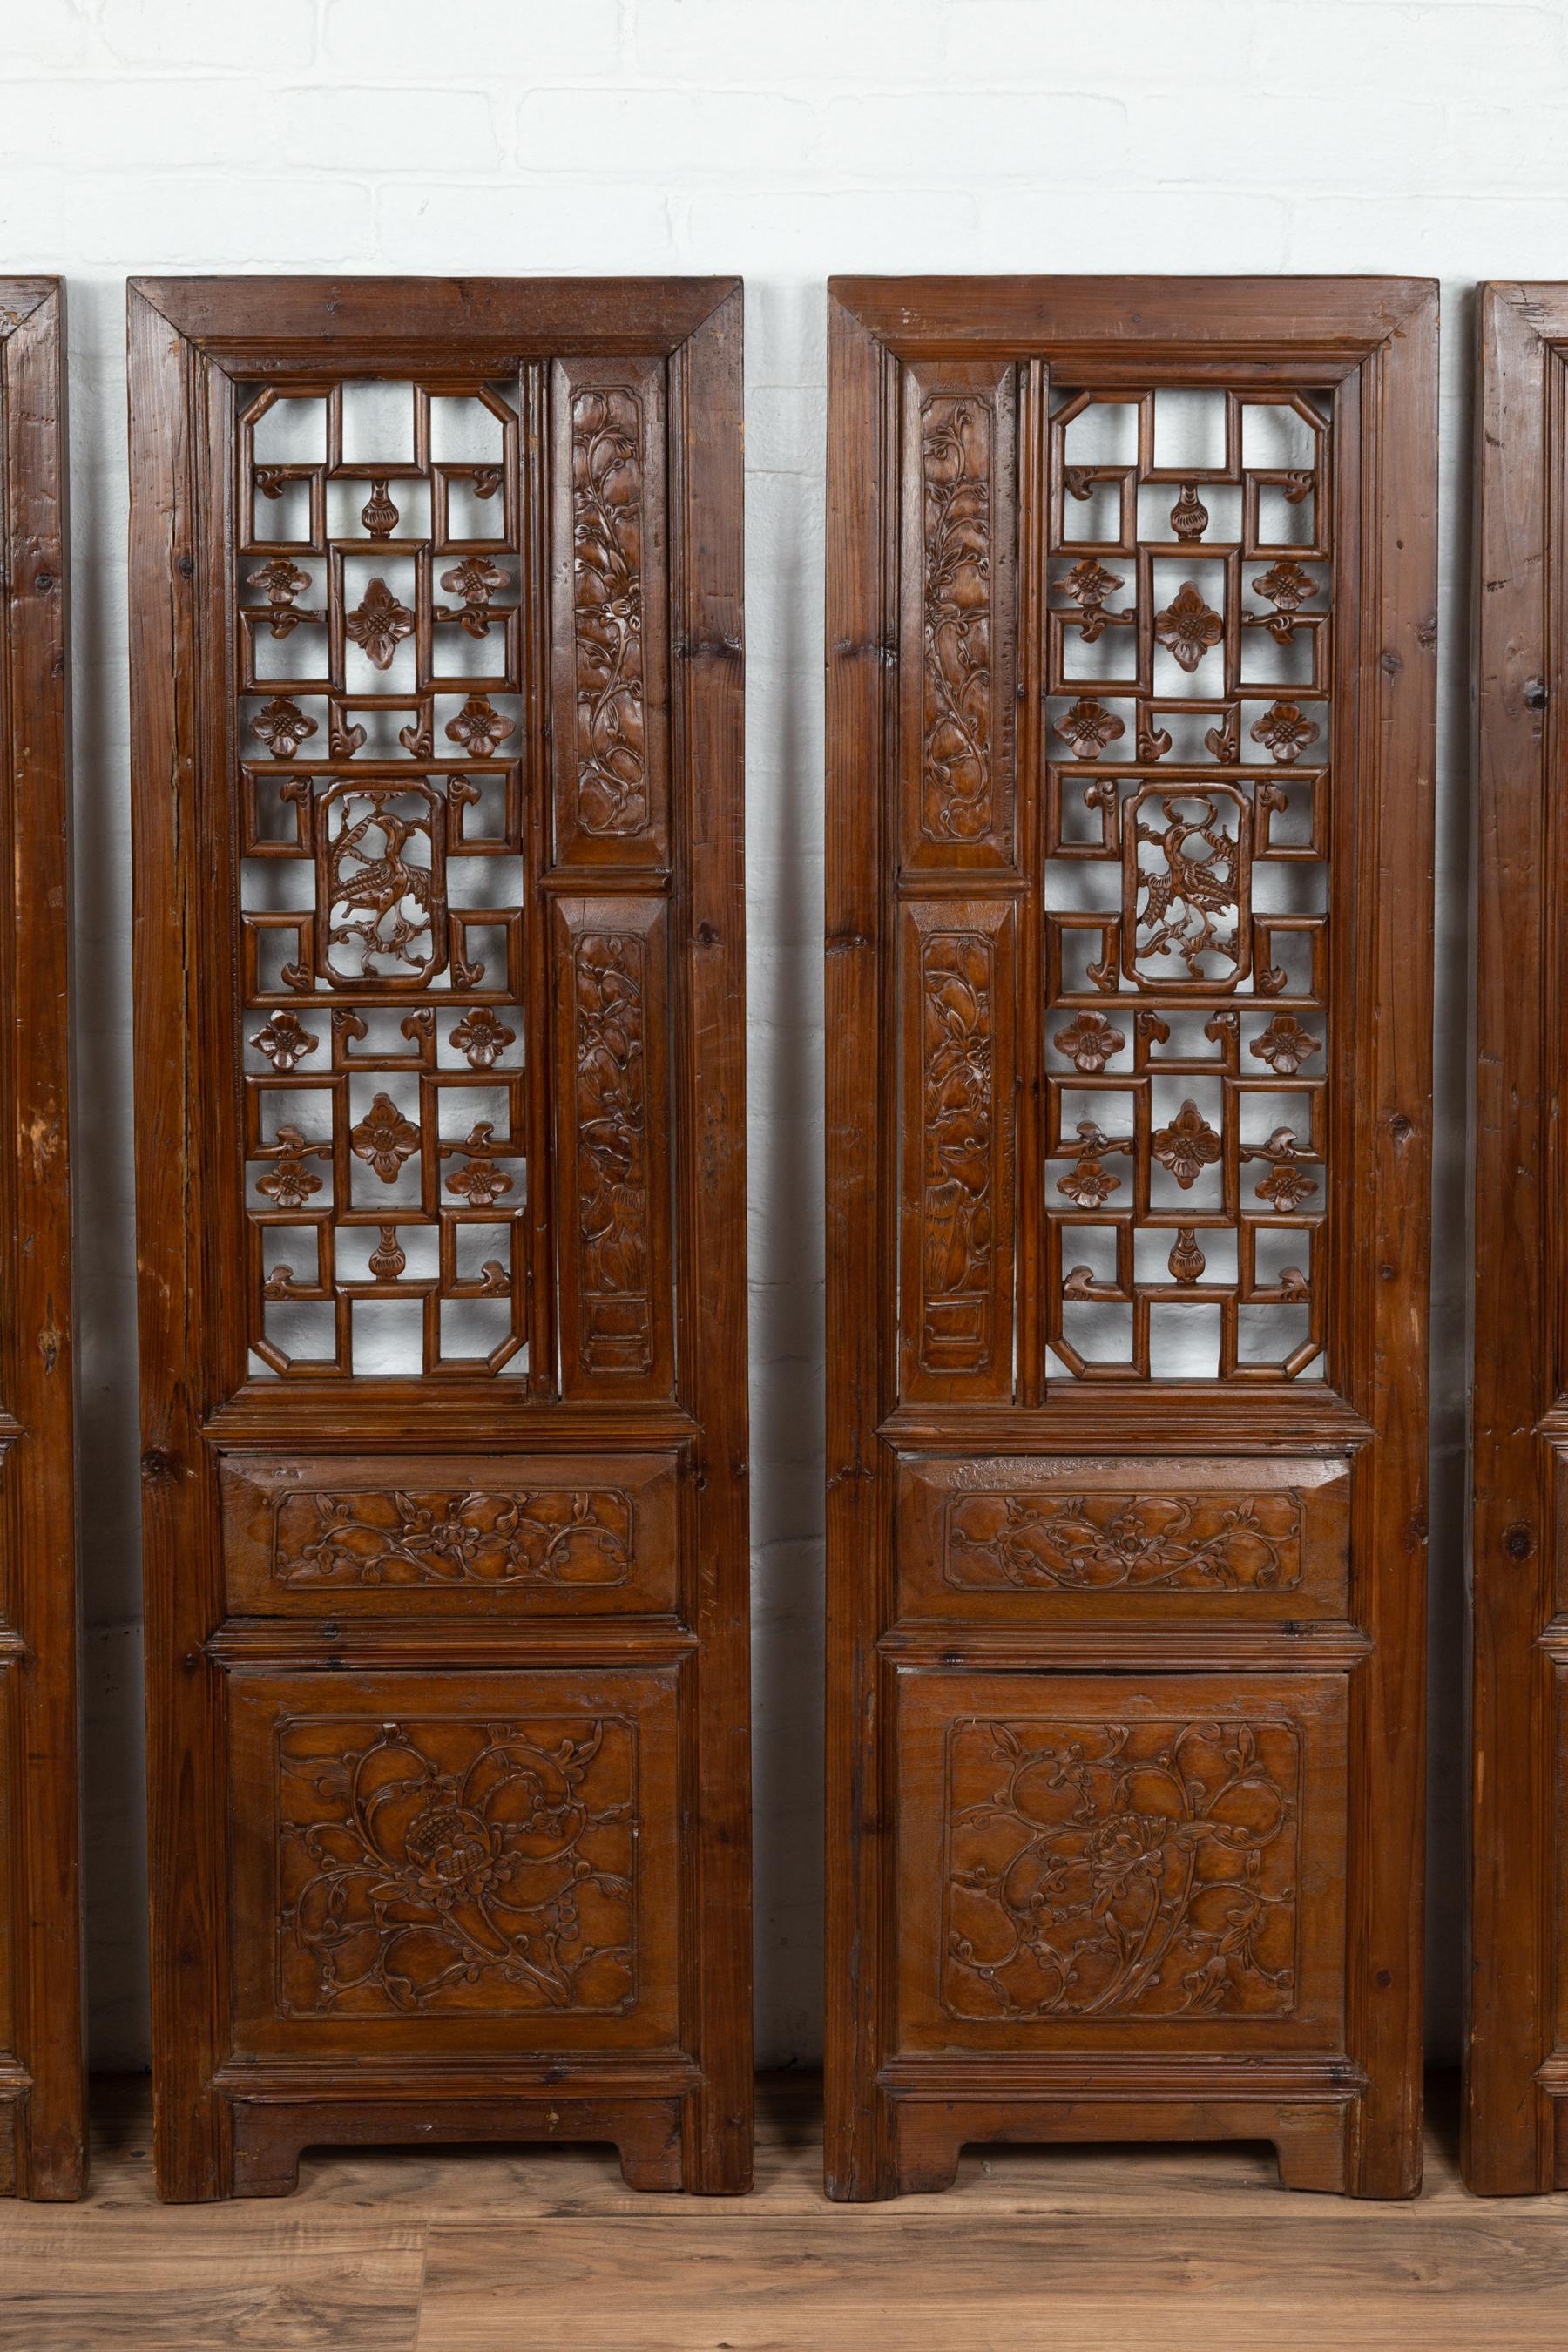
column 785, row 139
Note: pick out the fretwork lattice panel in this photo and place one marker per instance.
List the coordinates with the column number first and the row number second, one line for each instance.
column 1185, row 853
column 384, row 1030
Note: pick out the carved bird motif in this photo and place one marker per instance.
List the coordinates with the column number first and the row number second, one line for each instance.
column 380, row 888
column 1203, row 887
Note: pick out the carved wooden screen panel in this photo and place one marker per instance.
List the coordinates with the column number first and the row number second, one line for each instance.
column 1516, row 2074
column 441, row 1202
column 43, row 2123
column 1129, row 913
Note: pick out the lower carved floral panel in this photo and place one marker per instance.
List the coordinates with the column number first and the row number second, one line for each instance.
column 1063, row 1538
column 451, row 1535
column 452, row 1860
column 1164, row 1855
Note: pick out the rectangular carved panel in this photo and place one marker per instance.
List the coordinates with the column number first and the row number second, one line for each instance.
column 1106, row 1869
column 441, row 1216
column 957, row 621
column 451, row 1535
column 958, row 1148
column 416, row 1865
column 1056, row 1541
column 1128, row 1018
column 1162, row 1856
column 43, row 2123
column 611, row 739
column 612, row 993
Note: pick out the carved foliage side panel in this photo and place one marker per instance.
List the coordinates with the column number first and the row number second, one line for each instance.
column 609, row 599
column 958, row 625
column 382, row 838
column 958, row 985
column 1105, row 1869
column 613, row 1146
column 1191, row 594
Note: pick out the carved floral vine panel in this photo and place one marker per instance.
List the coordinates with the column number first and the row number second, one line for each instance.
column 610, row 739
column 1187, row 780
column 1140, row 1869
column 1123, row 1542
column 413, row 1535
column 960, row 979
column 383, row 1022
column 958, row 624
column 611, row 997
column 444, row 1865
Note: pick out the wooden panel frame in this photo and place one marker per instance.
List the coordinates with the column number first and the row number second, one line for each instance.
column 43, row 2117
column 42, row 2077
column 1516, row 2052
column 1352, row 2120
column 681, row 2120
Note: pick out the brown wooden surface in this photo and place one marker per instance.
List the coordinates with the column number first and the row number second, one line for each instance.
column 461, row 2249
column 1055, row 1668
column 42, row 2122
column 1516, row 2106
column 439, row 956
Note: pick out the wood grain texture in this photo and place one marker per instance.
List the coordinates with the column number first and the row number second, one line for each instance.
column 438, row 792
column 42, row 2119
column 433, row 2249
column 1192, row 1088
column 1518, row 1929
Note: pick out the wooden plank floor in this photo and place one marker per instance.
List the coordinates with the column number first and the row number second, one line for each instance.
column 1035, row 2249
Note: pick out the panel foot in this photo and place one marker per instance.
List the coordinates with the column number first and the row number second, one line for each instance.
column 271, row 2134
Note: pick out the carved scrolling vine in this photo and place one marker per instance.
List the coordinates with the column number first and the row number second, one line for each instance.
column 1118, row 1543
column 449, row 1866
column 1104, row 1869
column 959, row 1119
column 956, row 468
column 426, row 1536
column 615, row 1204
column 608, row 530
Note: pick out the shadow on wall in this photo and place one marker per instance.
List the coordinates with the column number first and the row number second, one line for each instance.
column 785, row 771
column 114, row 1861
